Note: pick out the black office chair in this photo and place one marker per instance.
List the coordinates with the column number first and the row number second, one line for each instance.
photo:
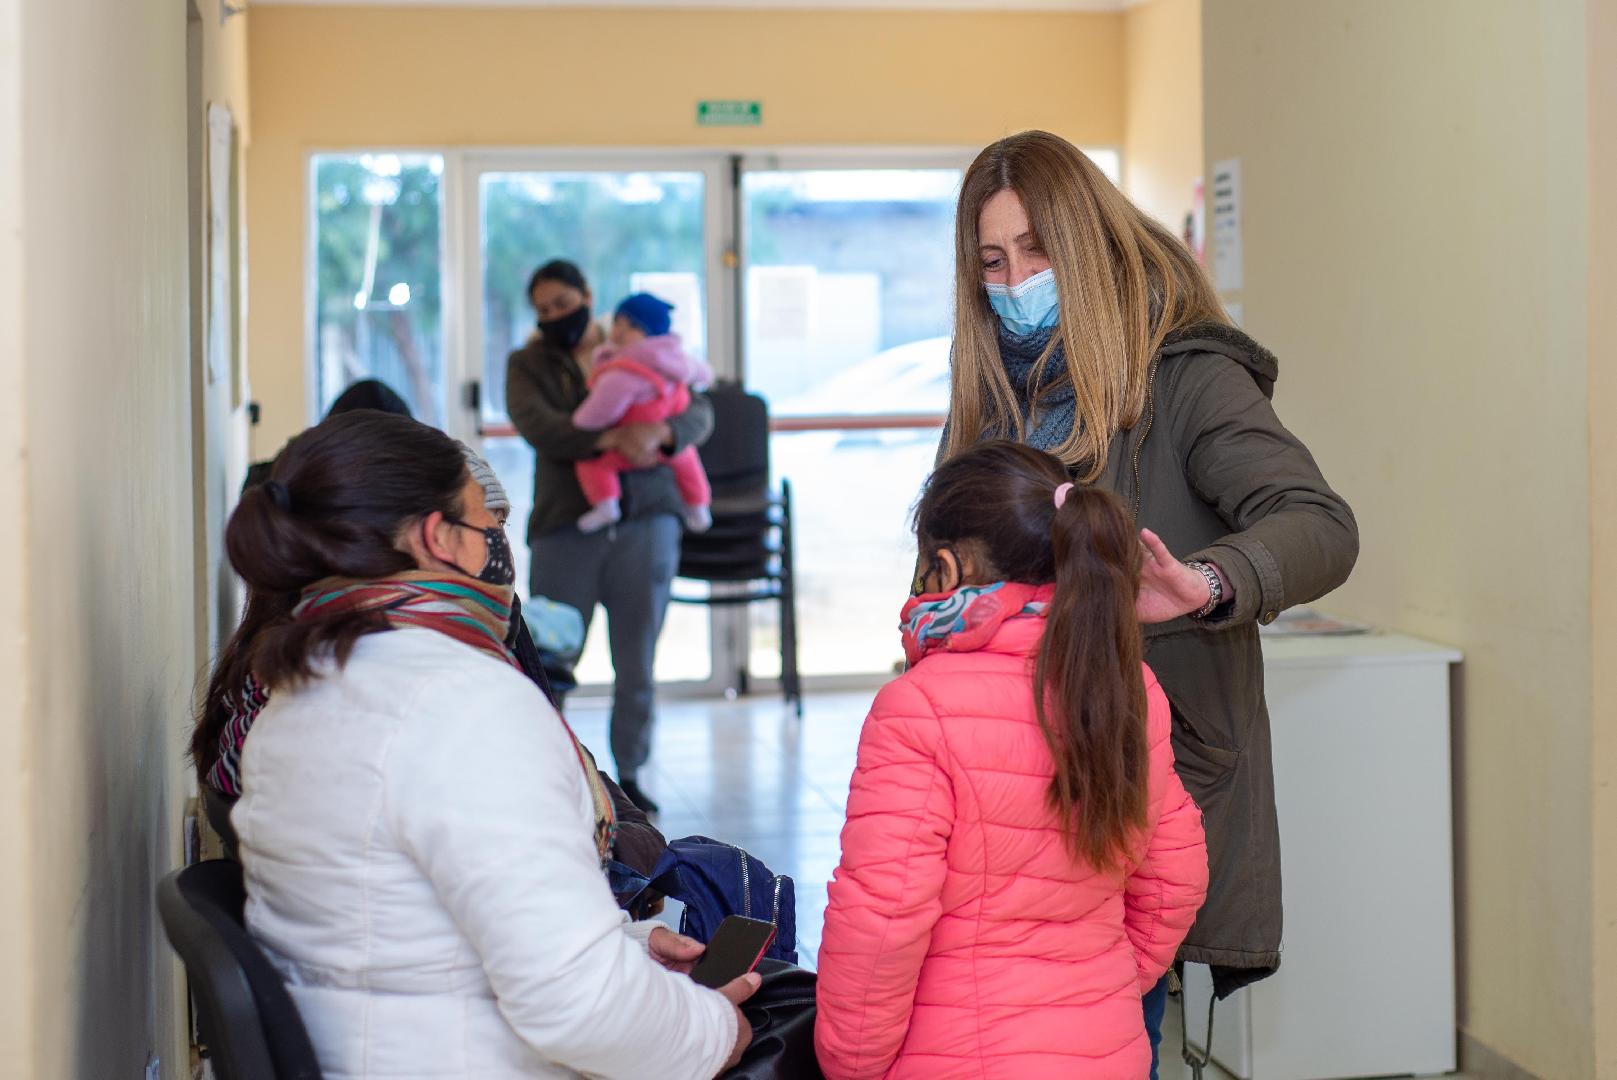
column 750, row 543
column 249, row 1024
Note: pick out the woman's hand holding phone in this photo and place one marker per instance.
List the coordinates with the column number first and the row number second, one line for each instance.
column 735, row 992
column 676, row 952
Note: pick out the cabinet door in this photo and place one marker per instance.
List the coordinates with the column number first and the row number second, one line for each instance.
column 1362, row 786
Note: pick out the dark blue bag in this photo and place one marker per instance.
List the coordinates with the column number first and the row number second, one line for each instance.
column 629, row 888
column 714, row 879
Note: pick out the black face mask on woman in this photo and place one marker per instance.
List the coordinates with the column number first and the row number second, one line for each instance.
column 568, row 330
column 498, row 568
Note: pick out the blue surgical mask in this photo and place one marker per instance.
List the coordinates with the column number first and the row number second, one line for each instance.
column 1029, row 306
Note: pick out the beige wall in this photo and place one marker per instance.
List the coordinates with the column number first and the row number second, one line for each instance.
column 96, row 470
column 1415, row 216
column 1602, row 68
column 218, row 404
column 356, row 77
column 16, row 791
column 1162, row 130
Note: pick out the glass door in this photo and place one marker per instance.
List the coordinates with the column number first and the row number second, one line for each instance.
column 632, row 225
column 849, row 270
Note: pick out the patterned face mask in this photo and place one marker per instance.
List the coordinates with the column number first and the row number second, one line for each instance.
column 498, row 567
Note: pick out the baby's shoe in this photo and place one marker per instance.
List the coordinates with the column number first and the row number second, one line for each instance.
column 698, row 519
column 602, row 514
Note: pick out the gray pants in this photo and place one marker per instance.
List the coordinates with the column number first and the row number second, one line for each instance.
column 627, row 569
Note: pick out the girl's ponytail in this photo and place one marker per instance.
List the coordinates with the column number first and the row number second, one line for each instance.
column 995, row 501
column 1090, row 690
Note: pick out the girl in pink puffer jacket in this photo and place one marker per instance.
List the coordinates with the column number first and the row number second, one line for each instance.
column 1020, row 861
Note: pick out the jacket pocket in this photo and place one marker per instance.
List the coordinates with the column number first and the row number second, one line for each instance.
column 1206, row 770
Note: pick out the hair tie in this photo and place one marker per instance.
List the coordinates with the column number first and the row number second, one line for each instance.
column 1061, row 495
column 278, row 494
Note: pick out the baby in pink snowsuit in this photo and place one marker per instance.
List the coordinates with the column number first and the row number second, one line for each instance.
column 642, row 376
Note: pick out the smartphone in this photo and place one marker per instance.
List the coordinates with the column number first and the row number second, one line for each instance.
column 737, row 946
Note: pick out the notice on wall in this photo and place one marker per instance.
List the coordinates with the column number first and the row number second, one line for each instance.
column 779, row 302
column 1226, row 232
column 221, row 168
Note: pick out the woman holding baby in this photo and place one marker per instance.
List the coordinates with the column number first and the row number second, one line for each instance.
column 625, row 564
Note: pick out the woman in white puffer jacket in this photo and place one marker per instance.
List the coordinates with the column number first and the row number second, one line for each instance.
column 421, row 834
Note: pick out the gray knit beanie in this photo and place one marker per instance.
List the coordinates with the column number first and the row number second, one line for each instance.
column 494, row 496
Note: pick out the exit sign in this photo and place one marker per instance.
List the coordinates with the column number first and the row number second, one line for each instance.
column 729, row 113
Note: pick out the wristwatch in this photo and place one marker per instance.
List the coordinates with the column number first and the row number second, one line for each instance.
column 1215, row 588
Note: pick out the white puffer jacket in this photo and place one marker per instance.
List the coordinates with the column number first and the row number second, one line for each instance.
column 417, row 837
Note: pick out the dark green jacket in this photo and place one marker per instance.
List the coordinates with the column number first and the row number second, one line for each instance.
column 543, row 386
column 1211, row 470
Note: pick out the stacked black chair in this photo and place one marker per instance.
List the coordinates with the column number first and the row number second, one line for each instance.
column 248, row 1021
column 746, row 557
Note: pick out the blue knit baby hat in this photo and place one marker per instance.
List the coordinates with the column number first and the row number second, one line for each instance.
column 647, row 312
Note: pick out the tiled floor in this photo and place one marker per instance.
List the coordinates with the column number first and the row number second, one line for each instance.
column 750, row 773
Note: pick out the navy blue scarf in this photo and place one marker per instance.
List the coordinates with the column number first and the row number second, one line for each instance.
column 1053, row 421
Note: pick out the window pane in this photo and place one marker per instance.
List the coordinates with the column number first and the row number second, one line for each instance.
column 628, row 231
column 849, row 273
column 848, row 294
column 852, row 493
column 378, row 220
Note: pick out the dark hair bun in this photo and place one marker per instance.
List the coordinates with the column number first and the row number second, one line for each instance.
column 339, row 497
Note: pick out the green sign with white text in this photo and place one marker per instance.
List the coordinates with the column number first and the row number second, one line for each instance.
column 729, row 113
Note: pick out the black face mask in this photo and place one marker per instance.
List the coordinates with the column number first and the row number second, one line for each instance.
column 498, row 569
column 568, row 330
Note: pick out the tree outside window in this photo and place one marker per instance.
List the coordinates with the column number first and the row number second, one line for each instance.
column 378, row 305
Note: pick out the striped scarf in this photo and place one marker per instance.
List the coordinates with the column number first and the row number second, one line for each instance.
column 472, row 612
column 243, row 706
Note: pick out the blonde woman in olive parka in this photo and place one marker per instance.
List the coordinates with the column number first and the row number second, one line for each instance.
column 1085, row 329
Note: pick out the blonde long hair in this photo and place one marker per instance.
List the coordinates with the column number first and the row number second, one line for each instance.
column 1125, row 283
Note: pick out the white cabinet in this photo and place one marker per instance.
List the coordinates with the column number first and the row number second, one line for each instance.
column 1362, row 771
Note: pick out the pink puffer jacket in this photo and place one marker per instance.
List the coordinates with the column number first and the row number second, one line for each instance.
column 962, row 939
